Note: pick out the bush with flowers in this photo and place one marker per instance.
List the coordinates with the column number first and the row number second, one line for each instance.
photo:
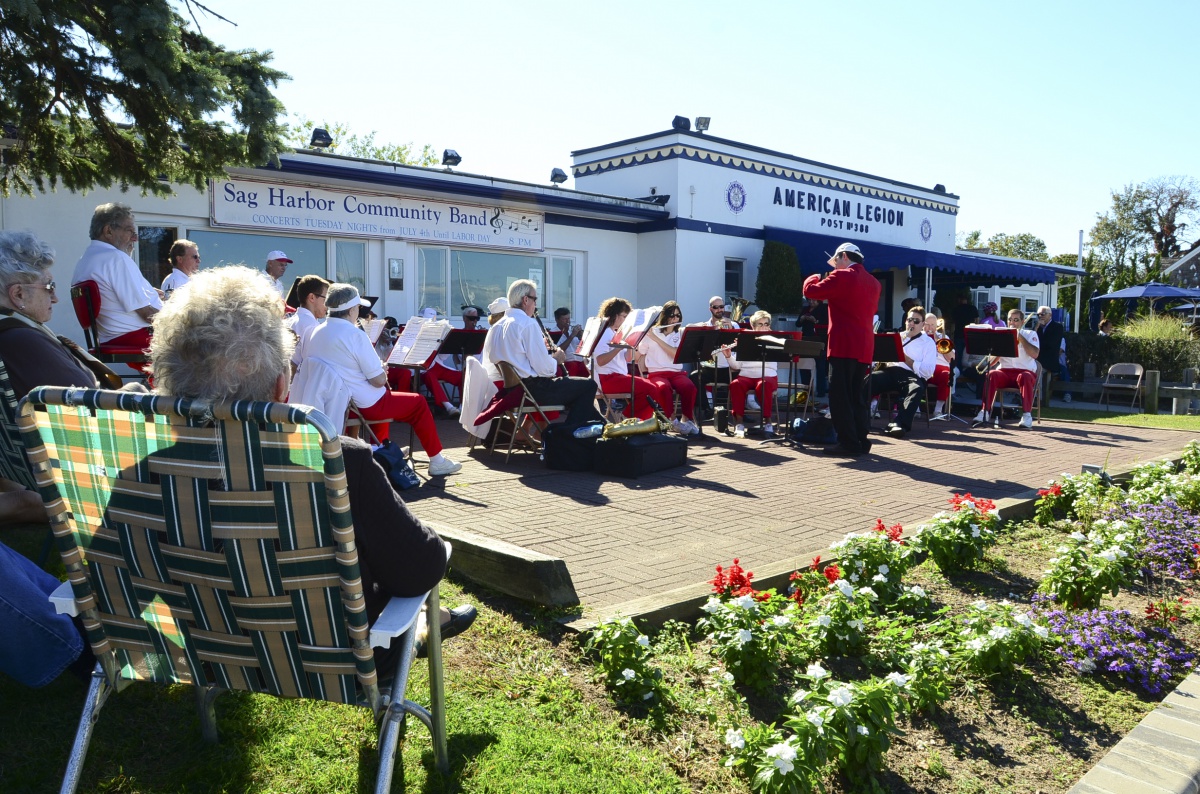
column 773, row 763
column 812, row 582
column 749, row 633
column 1086, row 496
column 957, row 539
column 839, row 620
column 1051, row 504
column 1158, row 486
column 1189, row 461
column 930, row 669
column 877, row 559
column 995, row 638
column 1088, row 566
column 1170, row 541
column 622, row 654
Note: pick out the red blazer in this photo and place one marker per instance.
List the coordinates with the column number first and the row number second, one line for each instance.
column 853, row 296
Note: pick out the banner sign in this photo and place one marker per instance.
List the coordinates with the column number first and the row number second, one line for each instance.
column 282, row 207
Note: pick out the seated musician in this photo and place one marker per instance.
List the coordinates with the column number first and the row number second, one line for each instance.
column 311, row 293
column 1019, row 372
column 348, row 351
column 704, row 375
column 753, row 378
column 611, row 364
column 224, row 338
column 448, row 367
column 941, row 373
column 909, row 376
column 575, row 366
column 657, row 350
column 516, row 338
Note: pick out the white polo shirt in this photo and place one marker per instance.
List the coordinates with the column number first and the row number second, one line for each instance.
column 349, row 352
column 123, row 289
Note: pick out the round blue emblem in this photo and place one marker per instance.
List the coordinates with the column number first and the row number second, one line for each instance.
column 735, row 197
column 926, row 230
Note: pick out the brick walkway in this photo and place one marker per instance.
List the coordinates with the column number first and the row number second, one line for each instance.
column 627, row 539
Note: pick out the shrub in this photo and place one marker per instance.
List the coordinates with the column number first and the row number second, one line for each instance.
column 622, row 654
column 930, row 671
column 748, row 634
column 813, row 581
column 958, row 539
column 839, row 625
column 878, row 559
column 996, row 638
column 1086, row 496
column 1159, row 342
column 1088, row 566
column 780, row 285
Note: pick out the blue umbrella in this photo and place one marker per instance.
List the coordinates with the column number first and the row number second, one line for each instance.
column 1152, row 289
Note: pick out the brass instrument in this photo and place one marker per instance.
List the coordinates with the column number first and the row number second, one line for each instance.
column 944, row 345
column 637, row 427
column 739, row 308
column 985, row 364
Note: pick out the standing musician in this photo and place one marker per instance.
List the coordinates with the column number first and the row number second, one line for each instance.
column 909, row 377
column 611, row 364
column 853, row 296
column 709, row 375
column 574, row 366
column 517, row 339
column 935, row 329
column 1019, row 372
column 657, row 349
column 759, row 377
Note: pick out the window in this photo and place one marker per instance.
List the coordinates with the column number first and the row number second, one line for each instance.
column 154, row 250
column 449, row 278
column 733, row 278
column 562, row 277
column 431, row 278
column 350, row 264
column 308, row 255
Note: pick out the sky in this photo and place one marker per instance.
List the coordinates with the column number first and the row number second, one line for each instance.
column 1031, row 112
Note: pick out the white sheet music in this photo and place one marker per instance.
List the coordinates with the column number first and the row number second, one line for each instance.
column 374, row 328
column 428, row 340
column 591, row 335
column 404, row 342
column 635, row 325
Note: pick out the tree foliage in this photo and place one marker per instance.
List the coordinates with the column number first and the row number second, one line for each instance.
column 969, row 240
column 1018, row 246
column 1145, row 224
column 779, row 287
column 351, row 144
column 126, row 92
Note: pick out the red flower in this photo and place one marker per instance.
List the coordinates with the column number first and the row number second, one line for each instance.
column 982, row 505
column 816, row 563
column 732, row 581
column 832, row 573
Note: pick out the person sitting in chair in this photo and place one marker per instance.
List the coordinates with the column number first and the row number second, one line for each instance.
column 224, row 338
column 941, row 373
column 1018, row 372
column 909, row 377
column 753, row 377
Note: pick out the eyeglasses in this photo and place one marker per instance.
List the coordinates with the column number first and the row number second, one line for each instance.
column 468, row 318
column 716, row 308
column 915, row 320
column 674, row 314
column 323, row 297
column 763, row 324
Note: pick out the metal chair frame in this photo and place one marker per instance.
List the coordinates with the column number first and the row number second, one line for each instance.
column 211, row 544
column 998, row 397
column 1122, row 371
column 528, row 407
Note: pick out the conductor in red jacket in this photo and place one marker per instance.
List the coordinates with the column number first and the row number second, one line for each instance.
column 853, row 295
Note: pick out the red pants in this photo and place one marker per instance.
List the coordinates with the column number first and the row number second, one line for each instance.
column 764, row 388
column 577, row 369
column 641, row 388
column 675, row 380
column 435, row 376
column 1023, row 379
column 411, row 409
column 399, row 378
column 941, row 379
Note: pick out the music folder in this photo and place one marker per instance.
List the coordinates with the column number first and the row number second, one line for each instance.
column 888, row 347
column 986, row 341
column 462, row 342
column 699, row 341
column 768, row 346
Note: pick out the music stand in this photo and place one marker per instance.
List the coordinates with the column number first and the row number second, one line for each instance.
column 888, row 348
column 462, row 342
column 987, row 342
column 790, row 349
column 697, row 344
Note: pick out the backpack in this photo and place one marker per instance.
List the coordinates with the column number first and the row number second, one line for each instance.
column 817, row 430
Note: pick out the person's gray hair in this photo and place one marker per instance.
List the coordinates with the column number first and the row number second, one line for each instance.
column 339, row 295
column 759, row 316
column 24, row 258
column 221, row 338
column 518, row 290
column 106, row 215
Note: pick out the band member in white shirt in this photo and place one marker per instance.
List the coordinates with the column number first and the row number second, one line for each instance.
column 1019, row 372
column 571, row 334
column 657, row 350
column 448, row 367
column 941, row 373
column 611, row 364
column 759, row 378
column 706, row 375
column 185, row 263
column 909, row 376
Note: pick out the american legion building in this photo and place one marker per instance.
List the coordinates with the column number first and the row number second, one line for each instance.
column 675, row 214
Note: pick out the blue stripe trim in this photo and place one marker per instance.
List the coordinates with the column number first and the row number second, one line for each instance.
column 562, row 199
column 713, row 158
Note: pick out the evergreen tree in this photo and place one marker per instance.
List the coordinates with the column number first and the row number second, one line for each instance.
column 779, row 288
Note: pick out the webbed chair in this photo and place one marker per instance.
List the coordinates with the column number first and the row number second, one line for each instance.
column 212, row 545
column 511, row 424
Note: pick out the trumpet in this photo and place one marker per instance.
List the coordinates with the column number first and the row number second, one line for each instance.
column 944, row 345
column 985, row 364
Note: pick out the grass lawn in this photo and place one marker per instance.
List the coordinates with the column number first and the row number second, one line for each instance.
column 1128, row 420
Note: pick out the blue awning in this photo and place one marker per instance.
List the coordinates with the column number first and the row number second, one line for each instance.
column 814, row 251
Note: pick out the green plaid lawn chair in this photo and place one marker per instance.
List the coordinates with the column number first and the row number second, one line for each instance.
column 211, row 544
column 13, row 465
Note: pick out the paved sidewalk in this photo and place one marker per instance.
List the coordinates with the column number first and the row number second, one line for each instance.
column 626, row 539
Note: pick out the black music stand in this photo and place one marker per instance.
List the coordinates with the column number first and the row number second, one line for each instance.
column 789, row 351
column 888, row 348
column 696, row 345
column 462, row 342
column 987, row 342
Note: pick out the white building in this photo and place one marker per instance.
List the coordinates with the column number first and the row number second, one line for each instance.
column 675, row 214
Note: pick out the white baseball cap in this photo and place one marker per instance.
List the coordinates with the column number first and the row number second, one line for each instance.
column 845, row 248
column 429, row 313
column 278, row 256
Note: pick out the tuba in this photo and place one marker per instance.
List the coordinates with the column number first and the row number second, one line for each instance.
column 739, row 308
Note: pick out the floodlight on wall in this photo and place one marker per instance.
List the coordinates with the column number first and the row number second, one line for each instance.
column 558, row 176
column 702, row 123
column 321, row 139
column 450, row 158
column 681, row 124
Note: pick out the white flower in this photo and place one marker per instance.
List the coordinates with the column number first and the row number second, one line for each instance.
column 1041, row 631
column 1023, row 619
column 744, row 636
column 845, row 588
column 1077, row 536
column 862, row 731
column 643, row 641
column 628, row 674
column 815, row 718
column 746, row 602
column 1120, row 538
column 853, row 578
column 824, row 621
column 868, row 592
column 920, row 646
column 878, row 578
column 800, row 695
column 1087, row 666
column 817, row 671
column 981, row 605
column 842, row 696
column 917, row 590
column 728, row 677
column 974, row 531
column 975, row 644
column 999, row 632
column 735, row 739
column 899, row 679
column 857, row 625
column 712, row 605
column 1108, row 554
column 884, row 569
column 784, row 754
column 781, row 620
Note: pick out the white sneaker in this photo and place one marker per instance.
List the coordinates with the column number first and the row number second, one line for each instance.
column 980, row 417
column 1026, row 421
column 677, row 426
column 444, row 468
column 769, row 429
column 739, row 431
column 451, row 410
column 752, row 403
column 690, row 428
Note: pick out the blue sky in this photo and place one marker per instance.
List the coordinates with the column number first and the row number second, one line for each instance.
column 1031, row 112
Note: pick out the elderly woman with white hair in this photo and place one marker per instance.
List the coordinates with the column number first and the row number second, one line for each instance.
column 348, row 351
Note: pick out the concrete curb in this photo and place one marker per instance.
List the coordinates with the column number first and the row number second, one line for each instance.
column 509, row 569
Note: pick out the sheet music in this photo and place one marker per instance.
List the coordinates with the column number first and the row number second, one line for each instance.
column 425, row 342
column 591, row 335
column 374, row 328
column 405, row 341
column 636, row 325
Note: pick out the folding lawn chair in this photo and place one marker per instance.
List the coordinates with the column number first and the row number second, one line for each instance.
column 212, row 545
column 511, row 422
